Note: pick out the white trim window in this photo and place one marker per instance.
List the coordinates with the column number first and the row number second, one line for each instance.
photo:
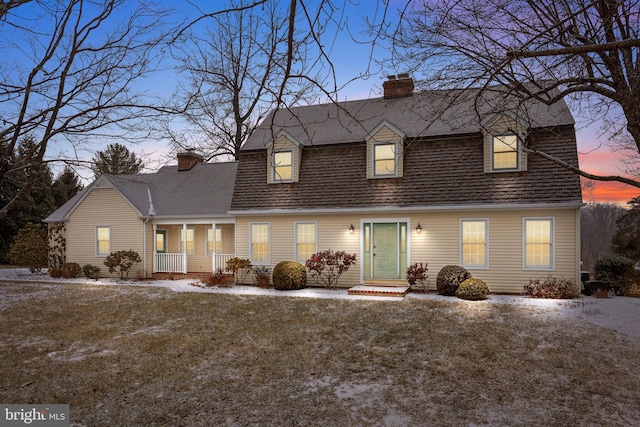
column 474, row 243
column 505, row 152
column 306, row 240
column 103, row 240
column 282, row 166
column 191, row 241
column 538, row 243
column 218, row 240
column 259, row 243
column 385, row 160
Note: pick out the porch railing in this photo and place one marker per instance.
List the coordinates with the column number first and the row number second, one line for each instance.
column 220, row 261
column 168, row 263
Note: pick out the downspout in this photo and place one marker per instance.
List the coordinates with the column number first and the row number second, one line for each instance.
column 152, row 213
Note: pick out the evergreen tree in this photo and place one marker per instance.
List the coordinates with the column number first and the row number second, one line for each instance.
column 116, row 159
column 65, row 186
column 37, row 204
column 626, row 240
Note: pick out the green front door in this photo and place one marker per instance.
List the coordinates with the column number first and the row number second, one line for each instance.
column 385, row 250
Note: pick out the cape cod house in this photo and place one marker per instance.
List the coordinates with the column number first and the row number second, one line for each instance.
column 439, row 177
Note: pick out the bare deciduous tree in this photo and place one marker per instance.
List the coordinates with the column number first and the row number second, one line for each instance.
column 583, row 50
column 67, row 75
column 235, row 70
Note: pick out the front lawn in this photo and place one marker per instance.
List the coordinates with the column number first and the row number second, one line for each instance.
column 129, row 356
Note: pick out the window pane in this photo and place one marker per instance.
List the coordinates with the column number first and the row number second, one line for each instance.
column 260, row 243
column 191, row 243
column 305, row 241
column 161, row 244
column 505, row 152
column 474, row 243
column 282, row 166
column 538, row 237
column 103, row 237
column 384, row 159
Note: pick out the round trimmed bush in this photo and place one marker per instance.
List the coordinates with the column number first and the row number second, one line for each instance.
column 289, row 275
column 71, row 270
column 449, row 278
column 473, row 289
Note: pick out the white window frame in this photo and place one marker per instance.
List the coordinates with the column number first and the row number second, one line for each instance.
column 180, row 248
column 315, row 238
column 518, row 154
column 485, row 265
column 208, row 252
column 276, row 177
column 97, row 246
column 395, row 160
column 552, row 245
column 251, row 257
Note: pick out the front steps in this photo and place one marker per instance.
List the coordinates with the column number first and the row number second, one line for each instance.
column 379, row 290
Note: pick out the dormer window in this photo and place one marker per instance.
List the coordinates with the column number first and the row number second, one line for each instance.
column 505, row 152
column 385, row 160
column 282, row 166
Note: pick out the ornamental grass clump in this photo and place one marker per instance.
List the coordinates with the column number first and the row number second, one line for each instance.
column 473, row 290
column 449, row 279
column 289, row 275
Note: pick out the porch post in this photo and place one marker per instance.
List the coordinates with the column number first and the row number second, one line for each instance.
column 184, row 248
column 213, row 248
column 155, row 248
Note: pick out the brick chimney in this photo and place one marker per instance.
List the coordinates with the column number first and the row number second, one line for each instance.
column 399, row 86
column 188, row 159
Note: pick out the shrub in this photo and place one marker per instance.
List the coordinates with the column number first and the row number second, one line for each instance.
column 289, row 275
column 449, row 278
column 618, row 271
column 239, row 267
column 91, row 271
column 326, row 267
column 71, row 270
column 551, row 287
column 123, row 261
column 473, row 289
column 219, row 279
column 55, row 272
column 417, row 273
column 30, row 248
column 262, row 276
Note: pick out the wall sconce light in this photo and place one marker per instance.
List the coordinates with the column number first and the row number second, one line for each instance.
column 418, row 229
column 351, row 229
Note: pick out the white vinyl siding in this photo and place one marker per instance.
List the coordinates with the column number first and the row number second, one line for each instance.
column 191, row 241
column 538, row 238
column 306, row 239
column 474, row 245
column 259, row 243
column 103, row 240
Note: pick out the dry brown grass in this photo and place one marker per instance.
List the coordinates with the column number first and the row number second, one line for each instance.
column 127, row 356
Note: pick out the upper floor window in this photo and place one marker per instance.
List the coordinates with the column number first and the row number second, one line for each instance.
column 282, row 166
column 505, row 152
column 103, row 240
column 384, row 160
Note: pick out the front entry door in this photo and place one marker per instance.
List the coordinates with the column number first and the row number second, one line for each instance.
column 385, row 250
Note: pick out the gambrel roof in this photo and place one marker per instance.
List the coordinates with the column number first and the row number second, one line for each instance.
column 424, row 114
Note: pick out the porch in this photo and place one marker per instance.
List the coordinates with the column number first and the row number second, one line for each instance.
column 192, row 247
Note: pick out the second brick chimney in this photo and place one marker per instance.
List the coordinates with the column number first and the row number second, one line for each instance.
column 188, row 159
column 399, row 86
